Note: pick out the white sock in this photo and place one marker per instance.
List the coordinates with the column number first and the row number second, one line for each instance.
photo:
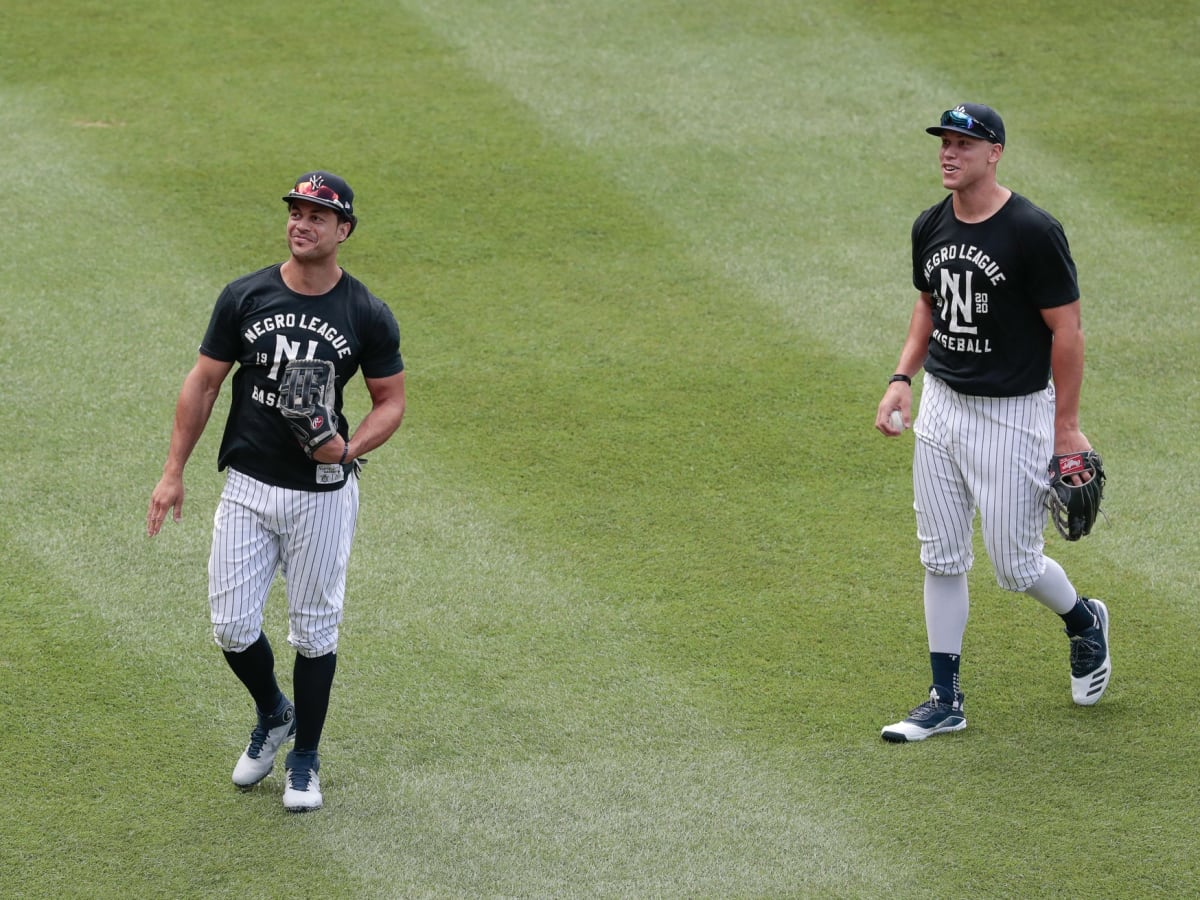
column 1054, row 589
column 946, row 608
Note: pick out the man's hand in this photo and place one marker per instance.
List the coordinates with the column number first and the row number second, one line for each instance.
column 167, row 495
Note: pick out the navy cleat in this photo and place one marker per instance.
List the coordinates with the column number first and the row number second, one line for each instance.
column 268, row 735
column 1091, row 667
column 934, row 716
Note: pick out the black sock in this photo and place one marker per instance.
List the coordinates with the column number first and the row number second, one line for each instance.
column 312, row 681
column 1079, row 618
column 255, row 666
column 945, row 674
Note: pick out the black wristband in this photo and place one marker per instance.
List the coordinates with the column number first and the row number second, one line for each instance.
column 345, row 450
column 900, row 377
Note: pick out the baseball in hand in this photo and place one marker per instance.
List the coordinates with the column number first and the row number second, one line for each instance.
column 896, row 420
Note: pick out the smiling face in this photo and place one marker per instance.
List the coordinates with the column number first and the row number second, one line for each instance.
column 965, row 161
column 314, row 231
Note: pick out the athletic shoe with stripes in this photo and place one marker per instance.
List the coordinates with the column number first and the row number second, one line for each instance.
column 268, row 735
column 1091, row 667
column 303, row 790
column 934, row 716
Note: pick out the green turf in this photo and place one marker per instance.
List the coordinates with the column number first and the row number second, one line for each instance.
column 636, row 585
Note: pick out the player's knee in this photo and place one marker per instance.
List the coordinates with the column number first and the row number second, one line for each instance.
column 315, row 643
column 236, row 636
column 1015, row 578
column 947, row 571
column 313, row 626
column 945, row 561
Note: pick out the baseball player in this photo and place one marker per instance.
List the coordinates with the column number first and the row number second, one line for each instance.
column 997, row 315
column 287, row 506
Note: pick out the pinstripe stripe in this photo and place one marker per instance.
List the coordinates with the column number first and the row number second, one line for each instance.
column 985, row 454
column 259, row 529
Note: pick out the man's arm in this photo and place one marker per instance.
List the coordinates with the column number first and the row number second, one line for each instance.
column 387, row 411
column 912, row 357
column 1066, row 365
column 192, row 409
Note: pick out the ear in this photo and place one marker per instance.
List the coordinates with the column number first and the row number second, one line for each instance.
column 344, row 227
column 995, row 153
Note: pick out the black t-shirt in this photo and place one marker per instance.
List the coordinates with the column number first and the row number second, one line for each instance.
column 261, row 324
column 989, row 282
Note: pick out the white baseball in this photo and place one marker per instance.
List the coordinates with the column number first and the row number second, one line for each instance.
column 896, row 421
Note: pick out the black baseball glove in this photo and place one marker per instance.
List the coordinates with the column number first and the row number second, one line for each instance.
column 1074, row 507
column 307, row 396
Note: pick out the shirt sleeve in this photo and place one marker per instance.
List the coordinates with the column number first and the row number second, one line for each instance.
column 1055, row 280
column 223, row 338
column 381, row 354
column 920, row 282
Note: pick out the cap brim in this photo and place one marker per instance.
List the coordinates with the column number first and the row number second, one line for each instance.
column 328, row 204
column 939, row 130
column 309, row 198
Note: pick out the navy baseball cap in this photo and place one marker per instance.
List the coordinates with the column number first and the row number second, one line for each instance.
column 972, row 119
column 325, row 189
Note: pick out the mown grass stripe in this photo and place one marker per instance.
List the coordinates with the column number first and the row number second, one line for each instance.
column 635, row 587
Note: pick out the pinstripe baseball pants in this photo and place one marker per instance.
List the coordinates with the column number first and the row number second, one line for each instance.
column 259, row 529
column 988, row 454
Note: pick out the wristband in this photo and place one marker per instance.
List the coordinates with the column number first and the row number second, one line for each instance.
column 899, row 377
column 345, row 450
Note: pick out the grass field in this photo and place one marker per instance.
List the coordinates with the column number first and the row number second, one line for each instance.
column 636, row 585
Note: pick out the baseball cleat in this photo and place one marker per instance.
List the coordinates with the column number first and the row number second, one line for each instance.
column 1091, row 667
column 268, row 735
column 934, row 716
column 303, row 790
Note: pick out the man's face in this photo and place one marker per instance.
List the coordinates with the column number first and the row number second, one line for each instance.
column 314, row 231
column 964, row 160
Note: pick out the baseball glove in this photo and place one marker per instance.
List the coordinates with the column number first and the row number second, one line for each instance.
column 307, row 395
column 1074, row 507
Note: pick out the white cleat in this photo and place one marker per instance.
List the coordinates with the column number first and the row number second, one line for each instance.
column 267, row 736
column 1091, row 666
column 934, row 716
column 303, row 790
